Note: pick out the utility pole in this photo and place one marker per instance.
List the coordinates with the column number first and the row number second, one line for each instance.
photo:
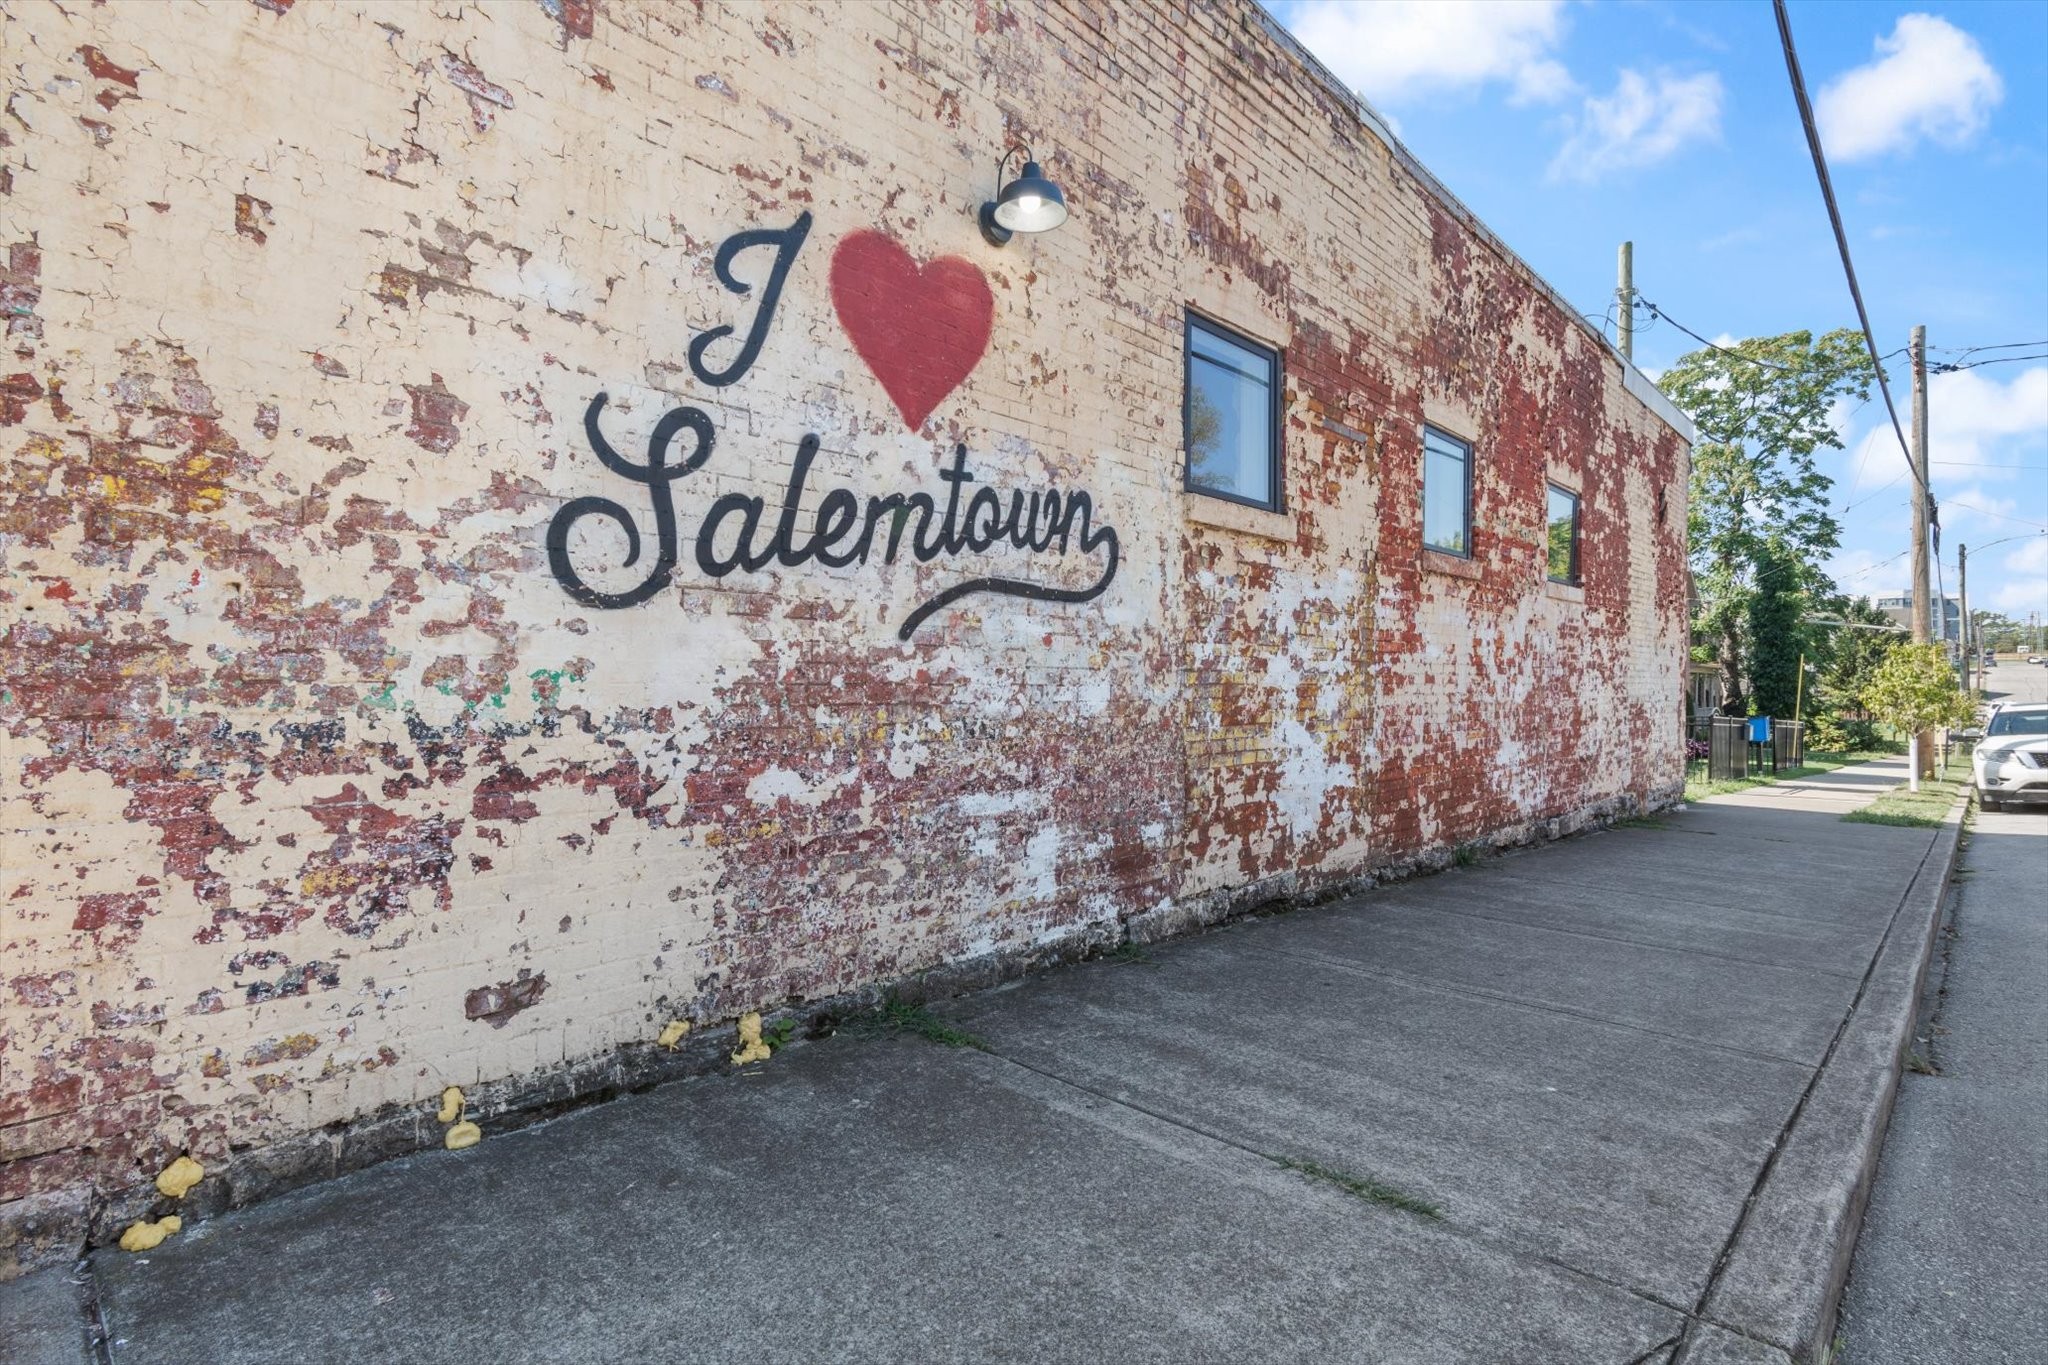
column 1625, row 301
column 1923, row 616
column 1963, row 593
column 1923, row 743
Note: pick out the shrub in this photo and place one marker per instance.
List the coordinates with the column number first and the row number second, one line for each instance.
column 1842, row 734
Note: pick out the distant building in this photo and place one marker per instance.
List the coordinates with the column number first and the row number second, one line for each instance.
column 1899, row 606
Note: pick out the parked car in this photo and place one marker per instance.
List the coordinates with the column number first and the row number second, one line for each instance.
column 2010, row 764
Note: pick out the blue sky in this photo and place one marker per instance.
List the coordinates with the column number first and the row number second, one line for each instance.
column 1571, row 125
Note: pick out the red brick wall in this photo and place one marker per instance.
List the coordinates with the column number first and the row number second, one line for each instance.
column 321, row 792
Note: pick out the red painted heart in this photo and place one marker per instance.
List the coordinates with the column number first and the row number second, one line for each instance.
column 921, row 329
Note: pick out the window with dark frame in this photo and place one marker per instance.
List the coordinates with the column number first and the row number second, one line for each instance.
column 1446, row 493
column 1563, row 536
column 1231, row 415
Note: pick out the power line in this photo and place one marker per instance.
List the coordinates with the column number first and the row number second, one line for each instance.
column 1873, row 568
column 2001, row 346
column 1657, row 312
column 2002, row 516
column 1659, row 315
column 1890, row 483
column 1948, row 368
column 1827, row 192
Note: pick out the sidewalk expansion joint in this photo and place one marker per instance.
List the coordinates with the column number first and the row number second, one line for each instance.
column 1503, row 1243
column 1770, row 1161
column 1663, row 896
column 1623, row 939
column 1651, row 1354
column 1544, row 1007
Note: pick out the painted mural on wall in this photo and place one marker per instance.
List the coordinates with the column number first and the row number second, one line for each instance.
column 347, row 419
column 921, row 330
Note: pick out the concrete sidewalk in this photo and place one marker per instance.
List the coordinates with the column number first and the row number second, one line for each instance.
column 1612, row 1099
column 1840, row 790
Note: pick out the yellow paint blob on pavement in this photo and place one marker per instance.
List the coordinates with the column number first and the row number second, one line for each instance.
column 752, row 1049
column 672, row 1036
column 451, row 1104
column 180, row 1176
column 463, row 1135
column 150, row 1236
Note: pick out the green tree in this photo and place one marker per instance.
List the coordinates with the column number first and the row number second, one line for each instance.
column 1778, row 633
column 1995, row 630
column 1759, row 525
column 1847, row 661
column 1915, row 689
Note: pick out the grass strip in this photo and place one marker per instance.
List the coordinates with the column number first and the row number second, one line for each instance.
column 1371, row 1190
column 1924, row 809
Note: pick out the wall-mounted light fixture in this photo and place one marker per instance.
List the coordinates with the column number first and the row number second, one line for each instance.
column 1030, row 203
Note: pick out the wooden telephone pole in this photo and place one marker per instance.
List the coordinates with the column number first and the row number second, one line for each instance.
column 1923, row 743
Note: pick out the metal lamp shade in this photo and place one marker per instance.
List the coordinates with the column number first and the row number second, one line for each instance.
column 1030, row 203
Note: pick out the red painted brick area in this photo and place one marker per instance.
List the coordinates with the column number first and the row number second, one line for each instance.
column 321, row 793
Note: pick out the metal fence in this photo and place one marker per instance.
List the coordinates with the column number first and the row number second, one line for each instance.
column 1728, row 752
column 1788, row 744
column 1732, row 755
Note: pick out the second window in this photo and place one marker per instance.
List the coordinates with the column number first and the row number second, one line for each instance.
column 1233, row 416
column 1446, row 492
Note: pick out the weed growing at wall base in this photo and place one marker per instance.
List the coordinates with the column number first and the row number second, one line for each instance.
column 896, row 1015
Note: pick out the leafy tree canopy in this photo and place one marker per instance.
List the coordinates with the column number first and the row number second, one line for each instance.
column 1759, row 523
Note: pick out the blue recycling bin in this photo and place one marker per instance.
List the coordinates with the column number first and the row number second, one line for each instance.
column 1761, row 750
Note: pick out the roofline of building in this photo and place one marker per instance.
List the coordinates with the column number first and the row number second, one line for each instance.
column 1633, row 379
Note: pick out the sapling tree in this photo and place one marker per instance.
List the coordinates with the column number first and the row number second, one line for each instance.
column 1915, row 690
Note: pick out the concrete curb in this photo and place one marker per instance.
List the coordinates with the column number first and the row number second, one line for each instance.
column 1782, row 1279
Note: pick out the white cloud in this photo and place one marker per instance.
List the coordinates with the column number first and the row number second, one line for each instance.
column 1978, row 429
column 2030, row 558
column 1741, row 236
column 2024, row 586
column 1970, row 416
column 1969, row 505
column 1401, row 49
column 1929, row 80
column 1854, row 570
column 1645, row 120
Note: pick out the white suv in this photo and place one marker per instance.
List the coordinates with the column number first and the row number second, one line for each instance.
column 2011, row 761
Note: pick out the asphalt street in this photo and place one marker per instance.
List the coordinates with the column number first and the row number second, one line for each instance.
column 1954, row 1251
